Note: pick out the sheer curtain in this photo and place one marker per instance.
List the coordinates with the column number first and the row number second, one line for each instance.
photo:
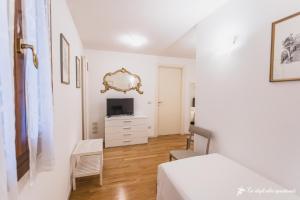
column 31, row 84
column 8, row 173
column 38, row 94
column 45, row 160
column 3, row 182
column 39, row 103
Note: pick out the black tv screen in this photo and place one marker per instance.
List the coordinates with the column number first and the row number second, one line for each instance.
column 119, row 107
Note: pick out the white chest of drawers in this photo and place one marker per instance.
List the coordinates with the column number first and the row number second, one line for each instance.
column 125, row 130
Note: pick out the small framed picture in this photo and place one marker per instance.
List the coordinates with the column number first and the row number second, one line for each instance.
column 65, row 59
column 78, row 72
column 285, row 52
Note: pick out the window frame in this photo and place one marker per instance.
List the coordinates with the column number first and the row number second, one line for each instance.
column 22, row 148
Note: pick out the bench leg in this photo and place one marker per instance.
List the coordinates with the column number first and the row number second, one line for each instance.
column 171, row 157
column 101, row 178
column 74, row 183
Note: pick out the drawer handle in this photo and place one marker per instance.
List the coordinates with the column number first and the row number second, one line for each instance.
column 127, row 134
column 126, row 141
column 127, row 128
column 127, row 121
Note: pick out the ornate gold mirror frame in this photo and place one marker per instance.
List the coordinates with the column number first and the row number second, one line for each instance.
column 136, row 87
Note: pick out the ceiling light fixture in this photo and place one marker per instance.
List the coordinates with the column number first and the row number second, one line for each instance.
column 133, row 40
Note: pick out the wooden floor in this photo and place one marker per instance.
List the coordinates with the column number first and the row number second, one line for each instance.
column 129, row 172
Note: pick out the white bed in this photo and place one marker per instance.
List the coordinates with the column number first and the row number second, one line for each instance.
column 214, row 177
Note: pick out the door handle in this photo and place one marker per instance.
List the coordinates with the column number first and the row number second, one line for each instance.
column 160, row 102
column 21, row 46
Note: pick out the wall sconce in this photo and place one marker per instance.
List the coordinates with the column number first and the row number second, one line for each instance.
column 227, row 44
column 235, row 40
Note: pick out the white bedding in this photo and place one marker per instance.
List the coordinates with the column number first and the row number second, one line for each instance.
column 214, row 177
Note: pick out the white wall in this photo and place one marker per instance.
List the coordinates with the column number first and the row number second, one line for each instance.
column 254, row 121
column 67, row 115
column 146, row 66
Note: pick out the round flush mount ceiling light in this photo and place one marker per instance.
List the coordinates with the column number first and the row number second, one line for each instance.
column 133, row 40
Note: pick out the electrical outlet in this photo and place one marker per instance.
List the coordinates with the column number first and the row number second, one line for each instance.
column 94, row 128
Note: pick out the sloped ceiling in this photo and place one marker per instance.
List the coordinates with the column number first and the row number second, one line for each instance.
column 168, row 25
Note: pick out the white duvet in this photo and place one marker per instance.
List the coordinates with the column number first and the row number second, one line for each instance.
column 214, row 177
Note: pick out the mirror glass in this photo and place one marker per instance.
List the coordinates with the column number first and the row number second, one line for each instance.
column 122, row 81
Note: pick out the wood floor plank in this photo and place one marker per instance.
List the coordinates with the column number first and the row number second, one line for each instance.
column 129, row 172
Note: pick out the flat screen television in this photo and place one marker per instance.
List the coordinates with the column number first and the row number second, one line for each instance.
column 119, row 107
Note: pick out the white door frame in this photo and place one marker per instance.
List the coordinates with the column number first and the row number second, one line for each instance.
column 156, row 134
column 84, row 98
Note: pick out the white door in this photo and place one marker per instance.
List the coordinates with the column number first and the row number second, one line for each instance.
column 169, row 100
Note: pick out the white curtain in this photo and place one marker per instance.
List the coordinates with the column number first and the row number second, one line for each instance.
column 39, row 87
column 8, row 173
column 38, row 94
column 31, row 83
column 3, row 181
column 45, row 160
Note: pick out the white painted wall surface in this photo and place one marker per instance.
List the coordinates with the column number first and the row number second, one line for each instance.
column 146, row 66
column 55, row 185
column 255, row 122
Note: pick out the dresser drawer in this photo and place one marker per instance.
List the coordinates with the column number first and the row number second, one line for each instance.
column 125, row 122
column 125, row 142
column 126, row 135
column 124, row 129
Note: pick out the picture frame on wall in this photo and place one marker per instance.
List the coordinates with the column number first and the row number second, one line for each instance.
column 78, row 72
column 64, row 59
column 285, row 50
